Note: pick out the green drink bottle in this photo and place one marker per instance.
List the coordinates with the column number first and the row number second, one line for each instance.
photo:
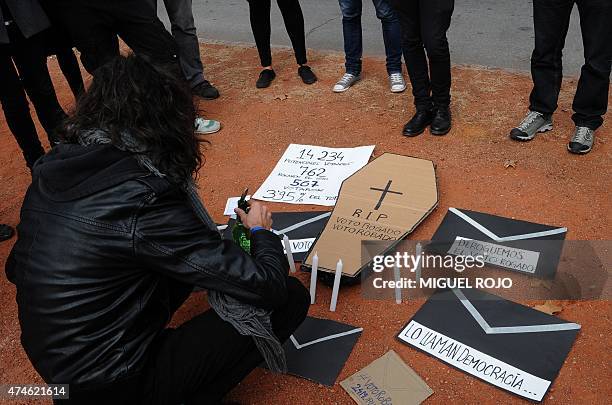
column 240, row 233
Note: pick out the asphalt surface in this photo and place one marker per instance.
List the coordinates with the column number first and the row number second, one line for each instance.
column 493, row 33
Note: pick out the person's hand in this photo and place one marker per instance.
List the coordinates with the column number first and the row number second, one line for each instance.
column 258, row 216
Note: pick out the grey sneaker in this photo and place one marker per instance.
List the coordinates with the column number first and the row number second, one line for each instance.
column 345, row 82
column 397, row 83
column 204, row 126
column 582, row 141
column 533, row 123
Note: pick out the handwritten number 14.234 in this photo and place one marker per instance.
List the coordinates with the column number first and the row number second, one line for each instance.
column 324, row 155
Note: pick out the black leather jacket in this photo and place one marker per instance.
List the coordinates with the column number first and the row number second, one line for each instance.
column 101, row 246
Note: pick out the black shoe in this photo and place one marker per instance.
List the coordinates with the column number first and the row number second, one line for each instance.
column 441, row 123
column 418, row 123
column 206, row 90
column 265, row 78
column 6, row 232
column 308, row 77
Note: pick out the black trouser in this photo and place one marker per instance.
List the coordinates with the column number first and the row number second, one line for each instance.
column 69, row 65
column 200, row 361
column 94, row 26
column 294, row 23
column 203, row 359
column 30, row 59
column 551, row 20
column 424, row 24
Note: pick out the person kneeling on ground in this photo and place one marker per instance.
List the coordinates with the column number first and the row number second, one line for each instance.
column 113, row 238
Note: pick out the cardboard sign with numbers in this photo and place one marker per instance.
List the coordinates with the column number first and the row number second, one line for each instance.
column 385, row 201
column 308, row 174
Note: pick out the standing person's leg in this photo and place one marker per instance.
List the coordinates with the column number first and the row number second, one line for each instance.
column 259, row 16
column 416, row 64
column 352, row 33
column 137, row 24
column 184, row 32
column 294, row 24
column 203, row 359
column 392, row 36
column 70, row 68
column 591, row 99
column 414, row 53
column 91, row 31
column 31, row 62
column 353, row 44
column 435, row 21
column 17, row 111
column 551, row 21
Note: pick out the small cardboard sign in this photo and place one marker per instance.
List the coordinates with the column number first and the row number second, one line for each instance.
column 387, row 381
column 385, row 200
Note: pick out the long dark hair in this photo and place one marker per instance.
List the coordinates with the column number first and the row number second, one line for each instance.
column 150, row 103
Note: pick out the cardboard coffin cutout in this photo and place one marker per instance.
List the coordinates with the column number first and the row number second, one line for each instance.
column 387, row 380
column 525, row 247
column 383, row 201
column 302, row 228
column 319, row 348
column 513, row 347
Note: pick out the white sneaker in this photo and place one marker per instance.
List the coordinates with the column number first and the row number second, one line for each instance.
column 204, row 126
column 397, row 83
column 345, row 82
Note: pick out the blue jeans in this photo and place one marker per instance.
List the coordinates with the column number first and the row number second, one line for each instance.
column 353, row 45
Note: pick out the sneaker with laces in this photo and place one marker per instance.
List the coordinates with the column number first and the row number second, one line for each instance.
column 582, row 141
column 533, row 123
column 204, row 126
column 397, row 83
column 346, row 82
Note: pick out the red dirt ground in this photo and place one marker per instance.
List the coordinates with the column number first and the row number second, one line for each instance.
column 548, row 185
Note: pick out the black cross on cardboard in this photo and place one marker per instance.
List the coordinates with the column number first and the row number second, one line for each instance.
column 385, row 191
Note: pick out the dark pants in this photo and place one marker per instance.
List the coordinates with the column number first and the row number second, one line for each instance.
column 94, row 26
column 424, row 24
column 353, row 43
column 69, row 66
column 29, row 56
column 551, row 21
column 200, row 361
column 203, row 359
column 291, row 11
column 184, row 32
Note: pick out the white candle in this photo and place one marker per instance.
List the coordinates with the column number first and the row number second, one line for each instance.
column 419, row 250
column 334, row 299
column 313, row 278
column 398, row 290
column 287, row 244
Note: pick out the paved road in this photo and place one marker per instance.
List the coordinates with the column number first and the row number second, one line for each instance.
column 495, row 33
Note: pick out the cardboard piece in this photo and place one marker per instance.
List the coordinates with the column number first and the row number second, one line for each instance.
column 387, row 380
column 385, row 200
column 302, row 228
column 511, row 346
column 319, row 349
column 525, row 247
